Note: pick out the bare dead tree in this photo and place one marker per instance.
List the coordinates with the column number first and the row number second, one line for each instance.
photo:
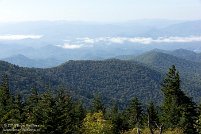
column 160, row 128
column 149, row 125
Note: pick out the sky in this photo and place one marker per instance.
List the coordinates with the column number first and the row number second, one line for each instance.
column 98, row 10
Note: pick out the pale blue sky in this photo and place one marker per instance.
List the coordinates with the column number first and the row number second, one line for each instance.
column 98, row 10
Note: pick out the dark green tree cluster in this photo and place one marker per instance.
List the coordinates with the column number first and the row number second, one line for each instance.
column 59, row 113
column 177, row 114
column 51, row 113
column 178, row 109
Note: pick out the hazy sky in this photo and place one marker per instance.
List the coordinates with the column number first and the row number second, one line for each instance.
column 98, row 10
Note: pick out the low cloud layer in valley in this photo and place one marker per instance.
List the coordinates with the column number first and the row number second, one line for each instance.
column 88, row 42
column 9, row 37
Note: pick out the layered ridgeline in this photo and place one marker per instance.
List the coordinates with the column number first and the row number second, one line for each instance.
column 113, row 79
column 190, row 70
column 24, row 61
column 120, row 80
column 180, row 53
column 58, row 41
column 186, row 54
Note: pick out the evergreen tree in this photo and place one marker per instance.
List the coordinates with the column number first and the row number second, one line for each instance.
column 134, row 114
column 171, row 88
column 97, row 104
column 79, row 115
column 6, row 101
column 178, row 109
column 188, row 120
column 5, row 96
column 17, row 115
column 32, row 111
column 153, row 119
column 64, row 113
column 46, row 105
column 115, row 118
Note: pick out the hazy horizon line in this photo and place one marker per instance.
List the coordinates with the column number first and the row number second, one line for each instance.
column 90, row 21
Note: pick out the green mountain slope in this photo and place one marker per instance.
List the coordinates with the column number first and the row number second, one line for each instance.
column 113, row 79
column 190, row 71
column 187, row 54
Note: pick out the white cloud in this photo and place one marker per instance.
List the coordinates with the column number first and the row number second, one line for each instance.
column 141, row 40
column 88, row 40
column 70, row 46
column 118, row 40
column 178, row 39
column 19, row 37
column 91, row 42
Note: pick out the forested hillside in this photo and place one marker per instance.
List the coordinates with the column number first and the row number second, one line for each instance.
column 190, row 71
column 122, row 79
column 186, row 61
column 113, row 79
column 187, row 54
column 50, row 112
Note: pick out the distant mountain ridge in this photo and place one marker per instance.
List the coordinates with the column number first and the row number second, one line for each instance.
column 46, row 62
column 92, row 41
column 180, row 53
column 187, row 54
column 190, row 71
column 179, row 29
column 24, row 61
column 84, row 68
column 114, row 79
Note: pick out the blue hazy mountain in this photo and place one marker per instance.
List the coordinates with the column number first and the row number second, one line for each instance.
column 179, row 29
column 122, row 79
column 24, row 61
column 189, row 70
column 91, row 41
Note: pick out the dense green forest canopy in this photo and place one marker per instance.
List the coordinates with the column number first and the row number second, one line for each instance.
column 190, row 71
column 113, row 79
column 50, row 112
